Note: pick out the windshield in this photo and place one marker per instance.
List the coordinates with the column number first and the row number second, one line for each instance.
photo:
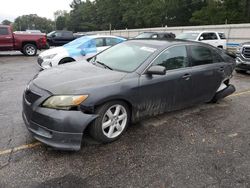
column 51, row 33
column 78, row 42
column 188, row 36
column 144, row 35
column 125, row 57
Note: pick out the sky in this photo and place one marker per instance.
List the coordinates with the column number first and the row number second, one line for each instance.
column 11, row 9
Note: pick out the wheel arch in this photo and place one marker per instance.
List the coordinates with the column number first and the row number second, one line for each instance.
column 71, row 59
column 28, row 42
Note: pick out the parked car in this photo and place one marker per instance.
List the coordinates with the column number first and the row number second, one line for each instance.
column 81, row 48
column 156, row 35
column 243, row 58
column 216, row 39
column 60, row 37
column 27, row 43
column 129, row 81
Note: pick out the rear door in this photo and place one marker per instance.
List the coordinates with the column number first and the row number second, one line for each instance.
column 207, row 72
column 161, row 93
column 6, row 39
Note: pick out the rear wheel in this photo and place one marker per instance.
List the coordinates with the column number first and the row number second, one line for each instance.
column 29, row 50
column 112, row 122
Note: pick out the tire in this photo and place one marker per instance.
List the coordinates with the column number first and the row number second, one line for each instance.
column 107, row 127
column 29, row 49
column 240, row 71
column 66, row 60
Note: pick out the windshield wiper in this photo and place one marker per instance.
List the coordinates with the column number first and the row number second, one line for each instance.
column 104, row 65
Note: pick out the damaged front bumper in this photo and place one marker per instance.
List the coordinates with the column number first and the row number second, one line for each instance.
column 60, row 129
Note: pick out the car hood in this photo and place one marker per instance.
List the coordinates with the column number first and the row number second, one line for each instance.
column 76, row 78
column 52, row 51
column 246, row 43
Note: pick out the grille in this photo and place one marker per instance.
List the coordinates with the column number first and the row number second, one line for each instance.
column 246, row 52
column 30, row 96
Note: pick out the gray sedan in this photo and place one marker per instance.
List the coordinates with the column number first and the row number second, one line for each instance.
column 121, row 85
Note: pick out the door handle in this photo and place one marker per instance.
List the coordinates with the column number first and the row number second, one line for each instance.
column 8, row 37
column 221, row 69
column 186, row 76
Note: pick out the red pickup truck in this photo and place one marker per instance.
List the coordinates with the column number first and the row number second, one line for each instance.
column 27, row 43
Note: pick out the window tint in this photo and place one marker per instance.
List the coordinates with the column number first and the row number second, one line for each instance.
column 173, row 58
column 201, row 55
column 58, row 34
column 222, row 36
column 209, row 36
column 112, row 41
column 4, row 31
column 67, row 34
column 99, row 42
column 217, row 57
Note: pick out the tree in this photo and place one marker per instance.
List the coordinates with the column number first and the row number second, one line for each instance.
column 220, row 12
column 61, row 19
column 6, row 22
column 33, row 21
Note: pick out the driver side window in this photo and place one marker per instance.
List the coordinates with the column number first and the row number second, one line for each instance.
column 173, row 58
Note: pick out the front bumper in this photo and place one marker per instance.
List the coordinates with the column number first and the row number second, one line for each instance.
column 57, row 128
column 242, row 64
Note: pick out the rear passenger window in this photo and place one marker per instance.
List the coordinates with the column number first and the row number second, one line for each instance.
column 173, row 58
column 99, row 42
column 4, row 31
column 67, row 34
column 111, row 41
column 217, row 57
column 201, row 55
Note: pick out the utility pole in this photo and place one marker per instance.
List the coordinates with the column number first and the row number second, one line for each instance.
column 110, row 28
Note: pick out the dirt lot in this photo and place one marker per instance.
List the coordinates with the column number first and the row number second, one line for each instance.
column 203, row 146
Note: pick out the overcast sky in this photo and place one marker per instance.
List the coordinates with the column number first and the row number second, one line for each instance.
column 10, row 9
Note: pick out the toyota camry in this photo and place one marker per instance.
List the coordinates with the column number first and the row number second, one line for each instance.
column 123, row 84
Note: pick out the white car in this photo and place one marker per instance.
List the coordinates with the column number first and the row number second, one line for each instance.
column 78, row 49
column 216, row 39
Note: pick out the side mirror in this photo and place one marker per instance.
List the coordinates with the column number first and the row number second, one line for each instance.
column 201, row 38
column 156, row 69
column 83, row 53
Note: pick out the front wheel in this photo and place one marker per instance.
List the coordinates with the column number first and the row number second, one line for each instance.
column 112, row 122
column 29, row 50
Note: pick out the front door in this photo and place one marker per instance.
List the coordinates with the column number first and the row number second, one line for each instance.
column 162, row 93
column 6, row 39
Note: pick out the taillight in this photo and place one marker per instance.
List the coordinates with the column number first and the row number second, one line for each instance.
column 44, row 40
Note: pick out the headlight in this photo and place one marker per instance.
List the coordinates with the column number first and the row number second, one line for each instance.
column 49, row 56
column 238, row 49
column 64, row 102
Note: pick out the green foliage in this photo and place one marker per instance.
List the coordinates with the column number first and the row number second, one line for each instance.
column 90, row 15
column 33, row 21
column 223, row 11
column 6, row 22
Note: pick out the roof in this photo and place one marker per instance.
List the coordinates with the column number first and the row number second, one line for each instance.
column 5, row 25
column 160, row 43
column 201, row 31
